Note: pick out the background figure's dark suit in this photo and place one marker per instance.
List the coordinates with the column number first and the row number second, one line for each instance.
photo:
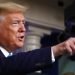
column 26, row 62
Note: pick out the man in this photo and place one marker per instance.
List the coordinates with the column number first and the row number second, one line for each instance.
column 12, row 34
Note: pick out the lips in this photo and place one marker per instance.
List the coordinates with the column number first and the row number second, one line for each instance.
column 21, row 38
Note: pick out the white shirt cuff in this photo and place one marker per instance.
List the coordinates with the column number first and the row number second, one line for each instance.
column 52, row 56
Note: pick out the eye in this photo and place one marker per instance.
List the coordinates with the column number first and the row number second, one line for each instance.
column 18, row 22
column 15, row 23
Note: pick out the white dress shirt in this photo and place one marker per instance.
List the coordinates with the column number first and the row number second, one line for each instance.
column 52, row 56
column 5, row 52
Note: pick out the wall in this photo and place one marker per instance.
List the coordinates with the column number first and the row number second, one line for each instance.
column 43, row 12
column 46, row 15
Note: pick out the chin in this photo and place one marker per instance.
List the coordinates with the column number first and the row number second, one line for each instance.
column 20, row 45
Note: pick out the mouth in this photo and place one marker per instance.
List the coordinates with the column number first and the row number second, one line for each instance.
column 21, row 38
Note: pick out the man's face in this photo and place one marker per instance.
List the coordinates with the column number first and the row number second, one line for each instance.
column 12, row 30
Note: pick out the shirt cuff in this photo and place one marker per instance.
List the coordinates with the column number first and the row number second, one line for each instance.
column 52, row 56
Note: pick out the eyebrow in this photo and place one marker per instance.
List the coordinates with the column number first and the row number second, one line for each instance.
column 15, row 19
column 18, row 20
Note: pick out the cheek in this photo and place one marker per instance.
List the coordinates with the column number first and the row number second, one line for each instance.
column 12, row 38
column 12, row 35
column 8, row 33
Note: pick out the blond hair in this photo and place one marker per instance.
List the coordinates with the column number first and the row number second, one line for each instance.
column 12, row 7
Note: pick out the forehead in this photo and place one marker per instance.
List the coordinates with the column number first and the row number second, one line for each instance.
column 15, row 16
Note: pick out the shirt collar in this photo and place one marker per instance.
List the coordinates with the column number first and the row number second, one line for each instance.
column 5, row 52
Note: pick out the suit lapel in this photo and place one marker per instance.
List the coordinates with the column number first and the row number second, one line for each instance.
column 1, row 54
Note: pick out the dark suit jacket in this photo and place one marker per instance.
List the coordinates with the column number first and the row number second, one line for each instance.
column 26, row 62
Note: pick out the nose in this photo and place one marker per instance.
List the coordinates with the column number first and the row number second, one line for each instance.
column 22, row 28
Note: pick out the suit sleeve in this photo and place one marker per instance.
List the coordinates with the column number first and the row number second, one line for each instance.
column 27, row 61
